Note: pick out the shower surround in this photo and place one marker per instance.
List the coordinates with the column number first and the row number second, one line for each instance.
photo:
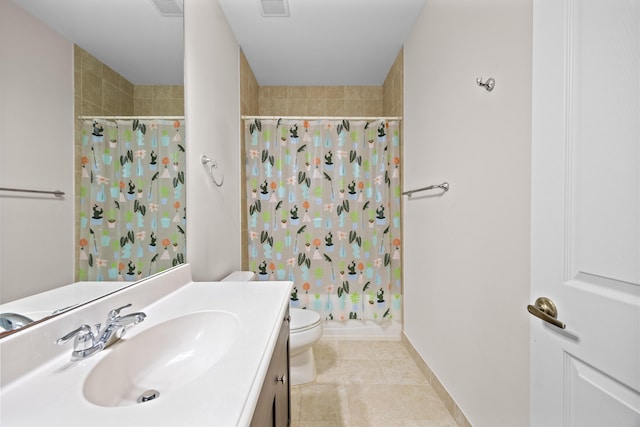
column 324, row 212
column 132, row 216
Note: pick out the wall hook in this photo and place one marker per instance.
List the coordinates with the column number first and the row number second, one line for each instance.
column 488, row 85
column 212, row 164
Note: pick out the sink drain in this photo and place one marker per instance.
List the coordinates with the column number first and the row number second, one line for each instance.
column 148, row 395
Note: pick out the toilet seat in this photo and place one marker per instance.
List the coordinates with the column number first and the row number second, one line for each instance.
column 303, row 320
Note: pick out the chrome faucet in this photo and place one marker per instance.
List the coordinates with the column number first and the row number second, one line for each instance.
column 11, row 321
column 86, row 344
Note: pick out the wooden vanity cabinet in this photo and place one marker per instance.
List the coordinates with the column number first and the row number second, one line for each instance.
column 273, row 407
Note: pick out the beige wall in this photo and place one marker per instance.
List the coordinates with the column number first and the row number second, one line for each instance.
column 36, row 110
column 466, row 253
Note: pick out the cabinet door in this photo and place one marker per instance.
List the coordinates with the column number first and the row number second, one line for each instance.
column 273, row 407
column 282, row 398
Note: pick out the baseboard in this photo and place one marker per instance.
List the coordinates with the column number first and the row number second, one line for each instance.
column 444, row 395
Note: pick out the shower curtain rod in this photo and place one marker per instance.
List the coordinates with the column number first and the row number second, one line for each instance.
column 131, row 117
column 318, row 118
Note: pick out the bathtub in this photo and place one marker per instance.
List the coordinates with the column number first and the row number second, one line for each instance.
column 362, row 330
column 344, row 329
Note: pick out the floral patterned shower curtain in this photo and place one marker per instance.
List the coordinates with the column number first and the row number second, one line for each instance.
column 324, row 212
column 132, row 199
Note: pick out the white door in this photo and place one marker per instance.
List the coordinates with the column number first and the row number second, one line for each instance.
column 586, row 213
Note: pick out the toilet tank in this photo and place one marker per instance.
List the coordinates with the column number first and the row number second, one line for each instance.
column 240, row 276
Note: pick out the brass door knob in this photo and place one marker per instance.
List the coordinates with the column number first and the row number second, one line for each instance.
column 546, row 310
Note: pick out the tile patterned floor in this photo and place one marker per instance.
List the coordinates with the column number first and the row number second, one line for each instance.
column 367, row 384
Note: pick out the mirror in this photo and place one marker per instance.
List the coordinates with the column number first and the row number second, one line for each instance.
column 141, row 41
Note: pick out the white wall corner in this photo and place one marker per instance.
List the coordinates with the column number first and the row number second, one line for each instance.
column 212, row 107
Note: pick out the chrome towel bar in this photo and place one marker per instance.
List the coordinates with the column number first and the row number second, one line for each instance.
column 444, row 186
column 56, row 193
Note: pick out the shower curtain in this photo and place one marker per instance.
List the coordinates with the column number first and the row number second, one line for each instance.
column 324, row 212
column 132, row 199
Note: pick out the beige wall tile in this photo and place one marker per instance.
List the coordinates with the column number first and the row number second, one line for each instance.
column 280, row 107
column 278, row 92
column 110, row 97
column 265, row 107
column 177, row 107
column 335, row 107
column 353, row 92
column 110, row 75
column 77, row 104
column 334, row 100
column 335, row 92
column 90, row 63
column 162, row 92
column 297, row 107
column 353, row 107
column 92, row 87
column 373, row 107
column 265, row 92
column 317, row 107
column 142, row 92
column 158, row 100
column 248, row 88
column 177, row 92
column 90, row 109
column 143, row 107
column 393, row 88
column 372, row 92
column 316, row 92
column 296, row 92
column 77, row 57
column 126, row 86
column 126, row 105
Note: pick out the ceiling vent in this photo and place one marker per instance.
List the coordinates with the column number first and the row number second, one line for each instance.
column 274, row 8
column 168, row 7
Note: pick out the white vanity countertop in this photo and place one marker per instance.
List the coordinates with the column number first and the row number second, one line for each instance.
column 224, row 395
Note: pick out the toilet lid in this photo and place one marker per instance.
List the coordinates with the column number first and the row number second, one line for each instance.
column 302, row 319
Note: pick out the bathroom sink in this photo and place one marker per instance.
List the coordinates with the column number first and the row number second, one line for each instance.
column 159, row 360
column 204, row 346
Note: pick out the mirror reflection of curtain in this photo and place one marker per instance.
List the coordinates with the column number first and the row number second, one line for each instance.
column 324, row 212
column 132, row 198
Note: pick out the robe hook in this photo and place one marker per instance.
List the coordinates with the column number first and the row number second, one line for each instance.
column 488, row 85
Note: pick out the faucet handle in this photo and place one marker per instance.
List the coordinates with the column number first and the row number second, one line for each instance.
column 113, row 314
column 84, row 338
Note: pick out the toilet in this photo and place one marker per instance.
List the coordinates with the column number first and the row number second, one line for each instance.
column 305, row 330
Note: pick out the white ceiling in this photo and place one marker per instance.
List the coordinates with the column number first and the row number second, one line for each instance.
column 130, row 36
column 322, row 43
